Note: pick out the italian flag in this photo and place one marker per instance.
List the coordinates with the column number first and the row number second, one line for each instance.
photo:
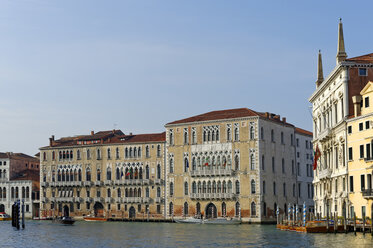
column 207, row 162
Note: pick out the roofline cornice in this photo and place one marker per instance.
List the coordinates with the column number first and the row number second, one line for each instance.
column 96, row 145
column 212, row 121
column 359, row 117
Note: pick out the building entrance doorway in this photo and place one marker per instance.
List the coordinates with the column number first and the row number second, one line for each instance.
column 99, row 209
column 132, row 213
column 66, row 211
column 211, row 211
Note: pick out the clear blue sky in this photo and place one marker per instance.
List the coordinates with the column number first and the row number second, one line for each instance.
column 68, row 67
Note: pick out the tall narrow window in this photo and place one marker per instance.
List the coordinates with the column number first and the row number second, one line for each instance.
column 158, row 151
column 186, row 188
column 272, row 136
column 261, row 133
column 252, row 133
column 171, row 188
column 194, row 136
column 185, row 136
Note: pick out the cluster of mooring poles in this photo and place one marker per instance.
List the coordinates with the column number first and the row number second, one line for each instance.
column 18, row 214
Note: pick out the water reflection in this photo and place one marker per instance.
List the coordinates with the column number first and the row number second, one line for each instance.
column 116, row 234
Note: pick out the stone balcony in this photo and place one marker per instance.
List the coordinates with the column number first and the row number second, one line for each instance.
column 87, row 183
column 98, row 199
column 109, row 199
column 145, row 200
column 368, row 193
column 108, row 182
column 88, row 199
column 159, row 200
column 324, row 134
column 208, row 196
column 78, row 199
column 64, row 199
column 158, row 181
column 44, row 184
column 325, row 173
column 132, row 200
column 99, row 183
column 212, row 172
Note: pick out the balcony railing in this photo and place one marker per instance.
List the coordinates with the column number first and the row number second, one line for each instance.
column 159, row 200
column 325, row 173
column 88, row 199
column 99, row 183
column 108, row 199
column 146, row 200
column 324, row 134
column 78, row 199
column 108, row 182
column 44, row 184
column 368, row 193
column 64, row 199
column 98, row 199
column 87, row 183
column 212, row 196
column 212, row 172
column 158, row 181
column 132, row 200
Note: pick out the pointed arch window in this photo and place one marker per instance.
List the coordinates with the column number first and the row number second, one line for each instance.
column 171, row 188
column 186, row 189
column 117, row 153
column 186, row 164
column 253, row 209
column 108, row 173
column 158, row 171
column 238, row 209
column 236, row 162
column 171, row 165
column 253, row 186
column 88, row 174
column 237, row 187
column 185, row 209
column 108, row 153
column 171, row 209
column 252, row 133
column 194, row 187
column 158, row 151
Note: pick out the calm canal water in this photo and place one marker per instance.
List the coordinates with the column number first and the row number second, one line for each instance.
column 120, row 234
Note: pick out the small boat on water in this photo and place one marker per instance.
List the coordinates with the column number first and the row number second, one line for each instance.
column 5, row 217
column 94, row 218
column 190, row 220
column 65, row 220
column 222, row 221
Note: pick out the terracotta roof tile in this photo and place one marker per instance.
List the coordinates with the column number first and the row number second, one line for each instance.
column 141, row 138
column 366, row 59
column 12, row 155
column 27, row 174
column 302, row 131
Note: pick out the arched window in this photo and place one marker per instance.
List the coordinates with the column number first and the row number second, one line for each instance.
column 223, row 209
column 171, row 209
column 109, row 153
column 236, row 134
column 98, row 154
column 126, row 152
column 209, row 187
column 236, row 162
column 59, row 176
column 171, row 188
column 158, row 151
column 238, row 209
column 252, row 161
column 194, row 187
column 71, row 154
column 63, row 176
column 135, row 152
column 23, row 193
column 44, row 156
column 186, row 188
column 217, row 135
column 261, row 133
column 147, row 172
column 141, row 173
column 158, row 171
column 147, row 153
column 108, row 173
column 272, row 136
column 185, row 209
column 98, row 175
column 229, row 186
column 194, row 136
column 171, row 137
column 119, row 193
column 171, row 165
column 204, row 187
column 224, row 187
column 4, row 193
column 27, row 192
column 117, row 173
column 214, row 187
column 147, row 192
column 252, row 134
column 88, row 174
column 53, row 176
column 194, row 163
column 253, row 209
column 186, row 164
column 237, row 187
column 88, row 154
column 158, row 191
column 198, row 208
column 185, row 137
column 213, row 135
column 17, row 191
column 117, row 153
column 60, row 155
column 108, row 193
column 139, row 152
column 252, row 186
column 12, row 193
column 219, row 187
column 229, row 137
column 199, row 187
column 71, row 175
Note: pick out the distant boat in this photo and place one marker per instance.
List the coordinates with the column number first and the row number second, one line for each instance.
column 65, row 220
column 190, row 220
column 94, row 218
column 5, row 217
column 222, row 221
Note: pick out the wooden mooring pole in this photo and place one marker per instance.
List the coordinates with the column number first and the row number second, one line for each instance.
column 363, row 224
column 327, row 222
column 355, row 224
column 345, row 223
column 335, row 223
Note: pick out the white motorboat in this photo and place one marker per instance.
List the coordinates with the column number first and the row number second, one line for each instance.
column 190, row 220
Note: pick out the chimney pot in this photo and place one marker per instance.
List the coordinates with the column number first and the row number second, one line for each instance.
column 284, row 119
column 92, row 132
column 131, row 133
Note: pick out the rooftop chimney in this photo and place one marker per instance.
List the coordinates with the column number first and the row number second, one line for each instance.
column 92, row 132
column 130, row 133
column 356, row 100
column 284, row 119
column 51, row 140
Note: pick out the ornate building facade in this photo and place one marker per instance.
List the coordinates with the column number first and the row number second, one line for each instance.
column 360, row 154
column 106, row 174
column 331, row 107
column 19, row 180
column 236, row 163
